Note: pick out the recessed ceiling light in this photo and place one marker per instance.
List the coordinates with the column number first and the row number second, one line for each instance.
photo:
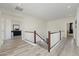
column 68, row 6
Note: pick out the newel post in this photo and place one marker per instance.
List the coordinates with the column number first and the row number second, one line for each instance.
column 48, row 41
column 34, row 36
column 60, row 35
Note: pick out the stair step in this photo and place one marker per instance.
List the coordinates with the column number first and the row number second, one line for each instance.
column 42, row 44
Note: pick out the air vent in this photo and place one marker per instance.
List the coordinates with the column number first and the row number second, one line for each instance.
column 19, row 8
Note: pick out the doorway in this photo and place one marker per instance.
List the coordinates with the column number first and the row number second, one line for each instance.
column 70, row 30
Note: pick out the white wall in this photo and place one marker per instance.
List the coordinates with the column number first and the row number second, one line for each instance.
column 16, row 20
column 30, row 24
column 7, row 26
column 60, row 24
column 77, row 40
column 7, row 29
column 27, row 23
column 9, row 20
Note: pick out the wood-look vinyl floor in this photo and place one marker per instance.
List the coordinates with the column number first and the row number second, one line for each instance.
column 18, row 47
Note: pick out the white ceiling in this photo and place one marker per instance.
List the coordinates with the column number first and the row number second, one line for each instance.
column 48, row 11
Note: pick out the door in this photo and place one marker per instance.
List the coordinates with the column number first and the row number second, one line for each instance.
column 1, row 31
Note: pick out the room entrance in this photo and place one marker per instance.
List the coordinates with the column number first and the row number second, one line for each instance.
column 70, row 30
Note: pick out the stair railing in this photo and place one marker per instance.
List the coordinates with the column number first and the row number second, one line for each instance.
column 41, row 38
column 34, row 32
column 49, row 39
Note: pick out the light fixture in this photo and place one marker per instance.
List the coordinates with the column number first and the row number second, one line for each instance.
column 19, row 7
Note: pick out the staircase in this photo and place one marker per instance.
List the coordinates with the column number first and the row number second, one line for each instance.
column 42, row 44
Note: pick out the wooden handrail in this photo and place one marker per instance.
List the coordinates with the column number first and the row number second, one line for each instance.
column 29, row 31
column 40, row 37
column 55, row 32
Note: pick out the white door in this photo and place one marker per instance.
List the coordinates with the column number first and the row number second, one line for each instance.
column 1, row 31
